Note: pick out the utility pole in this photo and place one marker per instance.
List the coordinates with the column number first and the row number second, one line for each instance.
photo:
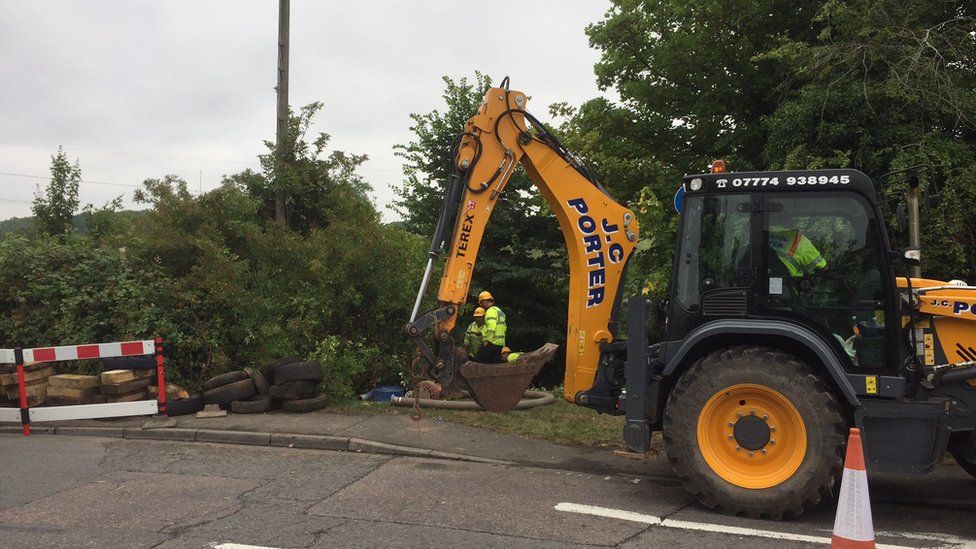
column 282, row 129
column 914, row 230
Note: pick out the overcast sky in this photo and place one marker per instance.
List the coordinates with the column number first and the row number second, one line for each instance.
column 139, row 89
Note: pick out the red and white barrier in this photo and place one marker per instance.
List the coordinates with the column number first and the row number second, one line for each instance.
column 82, row 352
column 11, row 415
column 27, row 415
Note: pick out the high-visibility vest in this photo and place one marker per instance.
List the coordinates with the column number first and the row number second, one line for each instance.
column 472, row 338
column 795, row 251
column 494, row 329
column 513, row 356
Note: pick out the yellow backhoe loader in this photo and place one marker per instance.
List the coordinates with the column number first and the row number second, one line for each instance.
column 786, row 323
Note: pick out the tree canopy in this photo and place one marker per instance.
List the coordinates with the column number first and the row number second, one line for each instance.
column 55, row 208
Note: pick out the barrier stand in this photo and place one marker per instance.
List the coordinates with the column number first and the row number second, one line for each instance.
column 85, row 352
column 22, row 388
column 160, row 376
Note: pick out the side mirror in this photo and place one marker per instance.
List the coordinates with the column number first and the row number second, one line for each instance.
column 901, row 215
column 912, row 256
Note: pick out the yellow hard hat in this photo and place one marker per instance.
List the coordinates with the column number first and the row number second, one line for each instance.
column 485, row 295
column 506, row 350
column 480, row 311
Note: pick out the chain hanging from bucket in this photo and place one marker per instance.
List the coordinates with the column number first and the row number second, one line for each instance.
column 416, row 374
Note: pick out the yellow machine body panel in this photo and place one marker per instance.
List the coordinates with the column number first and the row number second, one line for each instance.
column 952, row 313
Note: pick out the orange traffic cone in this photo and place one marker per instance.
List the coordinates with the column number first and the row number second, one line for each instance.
column 853, row 527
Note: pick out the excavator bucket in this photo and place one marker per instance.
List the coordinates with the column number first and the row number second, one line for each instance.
column 499, row 387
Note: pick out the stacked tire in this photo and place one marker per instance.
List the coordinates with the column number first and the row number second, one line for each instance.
column 240, row 391
column 295, row 384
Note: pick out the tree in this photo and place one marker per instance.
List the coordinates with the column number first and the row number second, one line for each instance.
column 876, row 85
column 887, row 85
column 317, row 188
column 55, row 209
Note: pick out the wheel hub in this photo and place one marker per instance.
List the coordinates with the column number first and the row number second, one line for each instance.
column 751, row 432
column 751, row 436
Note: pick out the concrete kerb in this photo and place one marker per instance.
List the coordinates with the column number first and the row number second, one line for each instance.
column 254, row 438
column 182, row 435
column 234, row 437
column 114, row 432
column 309, row 442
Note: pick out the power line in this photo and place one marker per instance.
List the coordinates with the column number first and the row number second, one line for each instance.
column 29, row 176
column 149, row 155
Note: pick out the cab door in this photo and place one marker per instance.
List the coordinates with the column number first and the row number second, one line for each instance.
column 823, row 265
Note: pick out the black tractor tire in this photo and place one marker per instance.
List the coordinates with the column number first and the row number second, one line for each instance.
column 298, row 371
column 958, row 451
column 261, row 384
column 294, row 390
column 224, row 379
column 305, row 404
column 253, row 405
column 755, row 368
column 225, row 394
column 184, row 406
column 269, row 370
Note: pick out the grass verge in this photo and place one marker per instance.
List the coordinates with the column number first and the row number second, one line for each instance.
column 560, row 422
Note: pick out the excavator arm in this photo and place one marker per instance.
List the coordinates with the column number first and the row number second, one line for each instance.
column 600, row 236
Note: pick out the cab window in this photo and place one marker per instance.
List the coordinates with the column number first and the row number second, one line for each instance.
column 714, row 247
column 824, row 265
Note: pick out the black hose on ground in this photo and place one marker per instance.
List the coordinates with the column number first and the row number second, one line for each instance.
column 531, row 399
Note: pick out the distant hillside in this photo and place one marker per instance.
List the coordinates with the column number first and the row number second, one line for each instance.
column 26, row 224
column 17, row 225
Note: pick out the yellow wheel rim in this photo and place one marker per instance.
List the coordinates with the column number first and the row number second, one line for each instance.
column 751, row 436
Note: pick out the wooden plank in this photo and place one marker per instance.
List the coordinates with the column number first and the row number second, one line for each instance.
column 74, row 381
column 34, row 375
column 127, row 397
column 66, row 401
column 117, row 376
column 125, row 386
column 33, row 389
column 71, row 392
column 173, row 391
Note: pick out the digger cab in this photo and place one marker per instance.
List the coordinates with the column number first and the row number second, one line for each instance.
column 805, row 248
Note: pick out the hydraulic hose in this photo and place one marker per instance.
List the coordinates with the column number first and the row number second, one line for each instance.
column 531, row 399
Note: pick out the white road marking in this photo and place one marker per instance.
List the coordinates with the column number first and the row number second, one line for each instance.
column 948, row 541
column 238, row 546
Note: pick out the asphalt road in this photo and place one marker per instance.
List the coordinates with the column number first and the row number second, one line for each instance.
column 60, row 491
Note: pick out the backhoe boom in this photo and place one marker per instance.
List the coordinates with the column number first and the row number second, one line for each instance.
column 600, row 234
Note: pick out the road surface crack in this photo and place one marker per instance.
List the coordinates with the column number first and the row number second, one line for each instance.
column 347, row 485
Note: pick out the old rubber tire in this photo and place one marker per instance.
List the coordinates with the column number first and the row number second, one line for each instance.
column 294, row 390
column 261, row 384
column 298, row 371
column 269, row 369
column 305, row 404
column 957, row 449
column 779, row 458
column 224, row 379
column 253, row 405
column 184, row 406
column 225, row 394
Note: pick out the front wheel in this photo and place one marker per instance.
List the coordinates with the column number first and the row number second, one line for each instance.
column 753, row 431
column 958, row 451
